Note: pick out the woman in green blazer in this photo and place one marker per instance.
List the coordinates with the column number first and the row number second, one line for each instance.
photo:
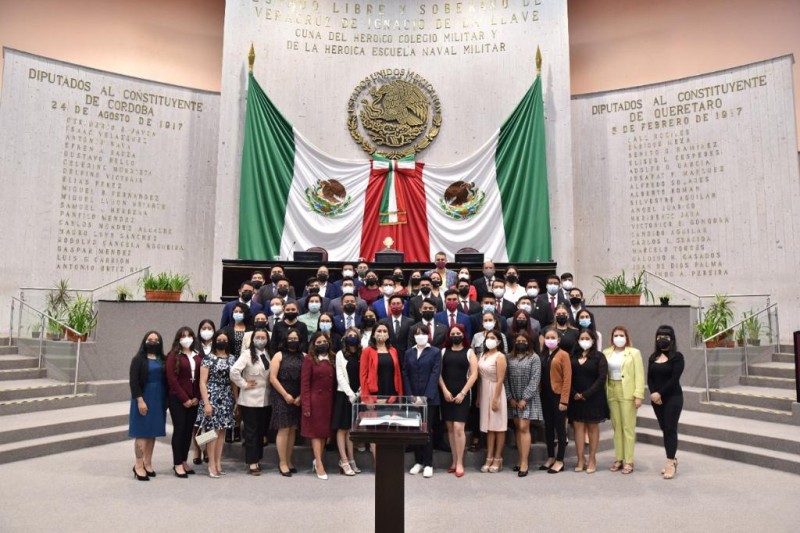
column 625, row 392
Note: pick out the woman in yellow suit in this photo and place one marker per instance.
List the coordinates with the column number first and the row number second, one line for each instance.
column 625, row 392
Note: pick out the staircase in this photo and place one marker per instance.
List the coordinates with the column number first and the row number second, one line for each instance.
column 40, row 416
column 756, row 422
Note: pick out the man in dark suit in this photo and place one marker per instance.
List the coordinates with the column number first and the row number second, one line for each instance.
column 452, row 313
column 483, row 285
column 399, row 325
column 425, row 291
column 348, row 272
column 312, row 287
column 488, row 304
column 245, row 297
column 348, row 287
column 381, row 306
column 548, row 301
column 348, row 318
column 466, row 305
column 270, row 289
column 576, row 305
column 502, row 306
column 436, row 332
column 327, row 289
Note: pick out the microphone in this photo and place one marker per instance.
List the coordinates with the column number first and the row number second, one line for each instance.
column 291, row 249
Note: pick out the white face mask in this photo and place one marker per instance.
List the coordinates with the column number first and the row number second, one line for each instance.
column 498, row 292
column 532, row 292
column 276, row 309
column 620, row 341
column 388, row 290
column 525, row 307
column 186, row 341
column 421, row 340
column 206, row 334
column 488, row 325
column 260, row 343
column 463, row 276
column 491, row 344
column 552, row 289
column 238, row 317
column 584, row 344
column 347, row 273
column 567, row 285
column 348, row 289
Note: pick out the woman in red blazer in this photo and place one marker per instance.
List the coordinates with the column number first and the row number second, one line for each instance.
column 317, row 392
column 183, row 383
column 380, row 366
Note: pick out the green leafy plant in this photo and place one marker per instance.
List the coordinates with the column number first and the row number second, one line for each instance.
column 753, row 327
column 202, row 297
column 717, row 318
column 123, row 293
column 56, row 307
column 621, row 285
column 165, row 281
column 81, row 315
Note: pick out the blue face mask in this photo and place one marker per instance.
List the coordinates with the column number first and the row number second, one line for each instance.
column 325, row 326
column 585, row 322
column 488, row 308
column 351, row 340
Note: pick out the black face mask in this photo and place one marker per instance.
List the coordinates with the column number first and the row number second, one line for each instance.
column 283, row 292
column 256, row 284
column 521, row 347
column 463, row 292
column 321, row 348
column 436, row 283
column 512, row 278
column 415, row 282
column 292, row 345
column 398, row 278
column 322, row 277
column 425, row 290
column 313, row 290
column 456, row 339
column 372, row 282
column 663, row 344
column 368, row 322
column 575, row 301
column 521, row 323
column 221, row 345
column 152, row 347
column 351, row 340
column 260, row 324
column 276, row 278
column 290, row 315
column 561, row 320
column 349, row 308
column 247, row 296
column 427, row 315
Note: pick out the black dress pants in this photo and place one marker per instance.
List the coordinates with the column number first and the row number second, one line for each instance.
column 182, row 423
column 554, row 425
column 668, row 415
column 255, row 427
column 423, row 453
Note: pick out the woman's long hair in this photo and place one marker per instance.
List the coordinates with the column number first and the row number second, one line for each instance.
column 673, row 346
column 253, row 349
column 143, row 353
column 176, row 345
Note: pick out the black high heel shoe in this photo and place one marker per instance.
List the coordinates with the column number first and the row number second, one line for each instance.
column 150, row 473
column 197, row 461
column 522, row 473
column 140, row 478
column 288, row 473
column 182, row 476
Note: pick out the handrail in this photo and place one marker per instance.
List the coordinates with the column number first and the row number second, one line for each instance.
column 104, row 285
column 48, row 317
column 749, row 316
column 665, row 280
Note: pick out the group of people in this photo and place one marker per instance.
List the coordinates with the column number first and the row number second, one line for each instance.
column 488, row 354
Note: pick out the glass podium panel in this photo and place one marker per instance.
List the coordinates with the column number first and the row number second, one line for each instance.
column 391, row 414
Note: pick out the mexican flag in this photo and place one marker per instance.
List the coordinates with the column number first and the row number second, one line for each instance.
column 293, row 196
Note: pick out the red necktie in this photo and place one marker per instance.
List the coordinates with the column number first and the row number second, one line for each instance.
column 452, row 319
column 553, row 304
column 465, row 303
column 430, row 331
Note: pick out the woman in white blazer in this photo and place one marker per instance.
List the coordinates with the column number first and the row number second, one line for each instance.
column 625, row 392
column 251, row 374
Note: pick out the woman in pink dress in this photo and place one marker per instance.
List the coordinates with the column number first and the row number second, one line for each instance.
column 493, row 403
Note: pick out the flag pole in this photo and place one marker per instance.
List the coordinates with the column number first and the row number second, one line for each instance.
column 251, row 57
column 538, row 61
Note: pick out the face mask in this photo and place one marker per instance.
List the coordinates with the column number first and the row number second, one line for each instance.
column 276, row 277
column 575, row 301
column 488, row 272
column 561, row 320
column 256, row 284
column 382, row 337
column 347, row 273
column 567, row 285
column 398, row 278
column 585, row 322
column 206, row 334
column 585, row 345
column 532, row 292
column 465, row 277
column 488, row 308
column 552, row 344
column 488, row 325
column 456, row 339
column 322, row 277
column 313, row 290
column 325, row 326
column 361, row 272
column 351, row 340
column 512, row 278
column 397, row 310
column 491, row 344
column 425, row 290
column 427, row 315
column 521, row 347
column 552, row 289
column 372, row 282
column 421, row 340
column 260, row 343
column 415, row 282
column 276, row 309
column 283, row 292
column 186, row 341
column 521, row 323
column 368, row 322
column 440, row 264
column 293, row 345
column 620, row 341
column 314, row 307
column 349, row 308
column 348, row 289
column 498, row 292
column 663, row 344
column 525, row 307
column 451, row 306
column 388, row 290
column 436, row 283
column 221, row 345
column 238, row 317
column 247, row 296
column 290, row 315
column 322, row 348
column 463, row 292
column 260, row 324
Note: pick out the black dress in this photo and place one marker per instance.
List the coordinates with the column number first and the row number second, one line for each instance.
column 455, row 369
column 342, row 408
column 568, row 339
column 283, row 414
column 589, row 379
column 386, row 375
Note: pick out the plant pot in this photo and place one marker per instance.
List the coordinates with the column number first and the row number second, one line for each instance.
column 754, row 342
column 53, row 336
column 122, row 297
column 712, row 343
column 664, row 302
column 162, row 296
column 35, row 334
column 75, row 338
column 202, row 299
column 740, row 343
column 623, row 299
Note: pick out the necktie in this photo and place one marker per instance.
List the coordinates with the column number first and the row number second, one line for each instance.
column 553, row 304
column 465, row 305
column 396, row 325
column 452, row 319
column 349, row 322
column 430, row 331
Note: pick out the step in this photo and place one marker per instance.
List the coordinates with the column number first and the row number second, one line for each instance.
column 783, row 357
column 29, row 405
column 5, row 349
column 773, row 370
column 779, row 399
column 22, row 373
column 786, row 462
column 28, row 449
column 10, row 362
column 42, row 424
column 744, row 411
column 35, row 388
column 764, row 381
column 763, row 435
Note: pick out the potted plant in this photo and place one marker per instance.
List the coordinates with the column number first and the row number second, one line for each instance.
column 123, row 293
column 740, row 336
column 621, row 291
column 81, row 317
column 664, row 298
column 754, row 328
column 706, row 328
column 164, row 286
column 57, row 305
column 54, row 330
column 202, row 297
column 36, row 330
column 717, row 318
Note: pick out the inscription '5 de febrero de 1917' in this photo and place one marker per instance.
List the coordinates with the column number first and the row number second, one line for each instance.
column 394, row 113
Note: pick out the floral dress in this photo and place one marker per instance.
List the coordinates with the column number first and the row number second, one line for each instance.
column 220, row 394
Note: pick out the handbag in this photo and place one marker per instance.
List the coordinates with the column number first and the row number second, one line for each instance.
column 204, row 437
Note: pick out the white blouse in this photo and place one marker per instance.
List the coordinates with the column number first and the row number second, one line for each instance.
column 615, row 365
